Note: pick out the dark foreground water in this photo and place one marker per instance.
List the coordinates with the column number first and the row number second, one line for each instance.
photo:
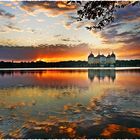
column 70, row 103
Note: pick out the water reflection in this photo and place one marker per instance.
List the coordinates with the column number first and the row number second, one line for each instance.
column 60, row 78
column 102, row 74
column 44, row 78
column 69, row 103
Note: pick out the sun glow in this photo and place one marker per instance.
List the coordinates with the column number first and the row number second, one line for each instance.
column 59, row 58
column 41, row 59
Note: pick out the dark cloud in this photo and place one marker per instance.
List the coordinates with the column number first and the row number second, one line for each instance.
column 66, row 39
column 126, row 37
column 69, row 40
column 12, row 27
column 137, row 27
column 116, row 25
column 9, row 27
column 124, row 34
column 50, row 52
column 3, row 13
column 58, row 35
column 128, row 14
column 130, row 38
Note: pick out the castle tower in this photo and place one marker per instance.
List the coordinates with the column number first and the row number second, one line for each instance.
column 112, row 59
column 90, row 58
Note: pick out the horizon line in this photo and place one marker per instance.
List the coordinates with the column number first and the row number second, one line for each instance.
column 15, row 61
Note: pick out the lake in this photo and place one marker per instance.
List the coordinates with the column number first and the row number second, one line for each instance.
column 70, row 103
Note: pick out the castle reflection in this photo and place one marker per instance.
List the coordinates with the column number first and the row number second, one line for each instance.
column 102, row 74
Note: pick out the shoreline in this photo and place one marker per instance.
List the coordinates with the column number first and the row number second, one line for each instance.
column 71, row 68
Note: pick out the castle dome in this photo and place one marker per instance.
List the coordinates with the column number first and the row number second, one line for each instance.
column 98, row 56
column 102, row 55
column 108, row 56
column 91, row 55
column 112, row 55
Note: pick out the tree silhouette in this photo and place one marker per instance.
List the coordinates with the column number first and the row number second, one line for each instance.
column 100, row 12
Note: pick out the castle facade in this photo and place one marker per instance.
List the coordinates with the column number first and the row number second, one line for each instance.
column 101, row 60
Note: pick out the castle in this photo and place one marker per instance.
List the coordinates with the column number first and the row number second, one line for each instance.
column 101, row 60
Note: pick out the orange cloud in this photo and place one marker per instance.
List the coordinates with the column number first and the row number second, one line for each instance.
column 113, row 129
column 53, row 8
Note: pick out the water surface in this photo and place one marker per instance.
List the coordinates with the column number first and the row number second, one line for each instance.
column 70, row 103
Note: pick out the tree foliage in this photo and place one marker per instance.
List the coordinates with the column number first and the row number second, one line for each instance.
column 100, row 12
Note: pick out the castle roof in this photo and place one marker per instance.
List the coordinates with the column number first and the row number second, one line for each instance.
column 102, row 55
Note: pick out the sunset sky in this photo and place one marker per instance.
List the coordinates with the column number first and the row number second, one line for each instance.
column 31, row 31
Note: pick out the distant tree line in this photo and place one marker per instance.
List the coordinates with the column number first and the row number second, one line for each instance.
column 39, row 64
column 128, row 63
